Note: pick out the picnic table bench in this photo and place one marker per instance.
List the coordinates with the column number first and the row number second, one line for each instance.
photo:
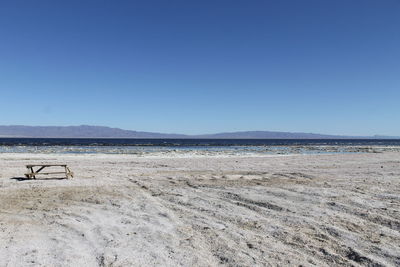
column 32, row 173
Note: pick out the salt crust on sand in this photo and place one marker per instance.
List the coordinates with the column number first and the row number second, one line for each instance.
column 122, row 210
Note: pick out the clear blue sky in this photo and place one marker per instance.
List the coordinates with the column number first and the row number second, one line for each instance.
column 324, row 66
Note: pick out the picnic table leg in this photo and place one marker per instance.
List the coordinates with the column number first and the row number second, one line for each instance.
column 68, row 172
column 33, row 175
column 28, row 175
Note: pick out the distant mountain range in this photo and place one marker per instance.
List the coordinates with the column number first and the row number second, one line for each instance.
column 86, row 131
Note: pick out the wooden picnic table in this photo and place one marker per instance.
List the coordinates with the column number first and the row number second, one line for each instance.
column 32, row 173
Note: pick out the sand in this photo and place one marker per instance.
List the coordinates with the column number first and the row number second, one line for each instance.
column 123, row 210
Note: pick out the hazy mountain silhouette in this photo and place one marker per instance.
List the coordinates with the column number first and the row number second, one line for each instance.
column 86, row 131
column 82, row 131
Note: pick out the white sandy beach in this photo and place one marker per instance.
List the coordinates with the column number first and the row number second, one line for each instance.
column 124, row 210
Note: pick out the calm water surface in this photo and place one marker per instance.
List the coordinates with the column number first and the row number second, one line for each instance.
column 196, row 146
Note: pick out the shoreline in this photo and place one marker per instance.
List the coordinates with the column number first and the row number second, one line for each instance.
column 201, row 151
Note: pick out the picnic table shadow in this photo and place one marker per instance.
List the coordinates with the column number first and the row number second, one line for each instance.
column 21, row 179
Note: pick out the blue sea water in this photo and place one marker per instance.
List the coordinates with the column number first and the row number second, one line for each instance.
column 192, row 142
column 195, row 146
